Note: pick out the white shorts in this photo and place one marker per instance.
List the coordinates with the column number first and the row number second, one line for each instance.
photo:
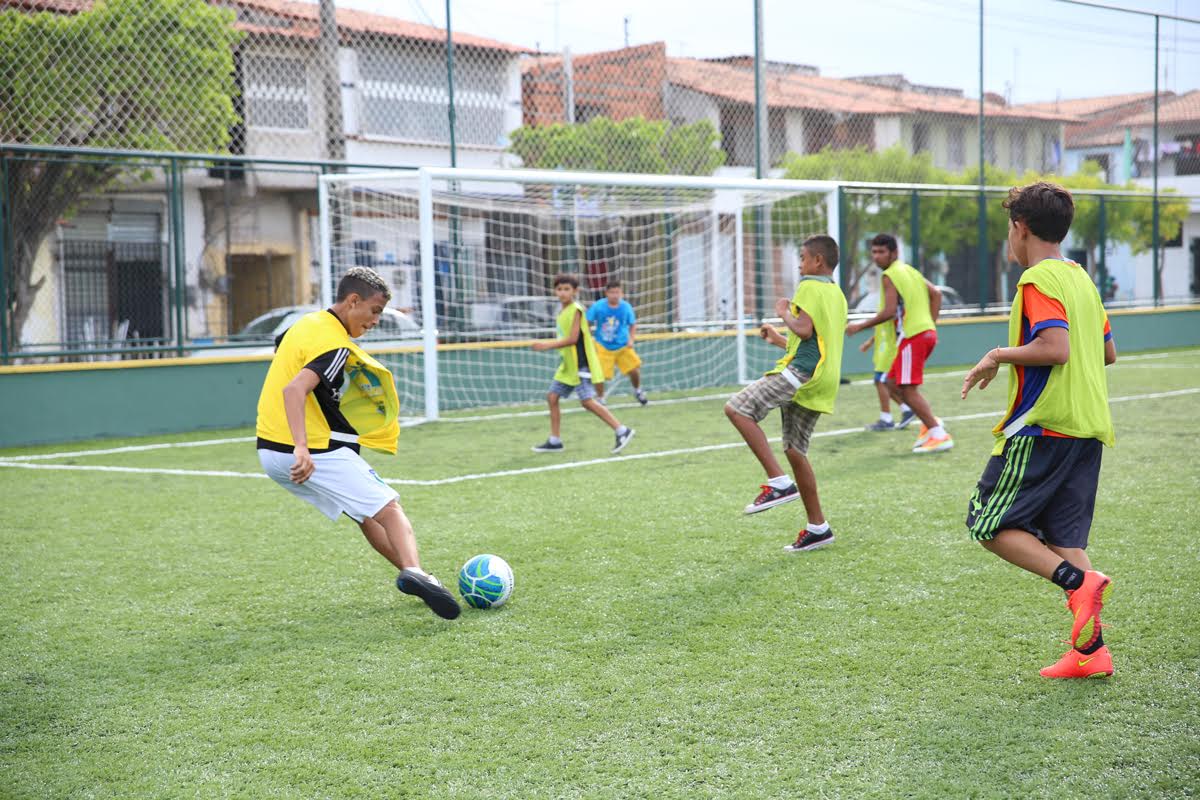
column 341, row 483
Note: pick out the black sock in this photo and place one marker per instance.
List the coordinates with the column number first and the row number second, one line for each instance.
column 1068, row 576
column 1094, row 646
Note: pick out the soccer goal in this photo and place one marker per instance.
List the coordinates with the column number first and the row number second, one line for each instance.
column 471, row 256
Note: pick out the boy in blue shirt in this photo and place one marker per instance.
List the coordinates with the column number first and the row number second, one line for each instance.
column 615, row 326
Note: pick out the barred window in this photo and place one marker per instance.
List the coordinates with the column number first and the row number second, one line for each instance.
column 405, row 96
column 1016, row 155
column 956, row 147
column 276, row 92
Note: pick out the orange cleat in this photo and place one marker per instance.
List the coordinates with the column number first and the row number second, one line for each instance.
column 934, row 445
column 1075, row 664
column 1085, row 604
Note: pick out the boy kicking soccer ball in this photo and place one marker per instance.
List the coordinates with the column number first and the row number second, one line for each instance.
column 1034, row 503
column 802, row 385
column 616, row 328
column 579, row 365
column 322, row 400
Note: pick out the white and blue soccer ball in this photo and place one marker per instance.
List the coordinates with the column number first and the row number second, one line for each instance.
column 486, row 581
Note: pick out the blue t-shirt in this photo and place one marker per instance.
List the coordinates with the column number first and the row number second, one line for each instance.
column 612, row 324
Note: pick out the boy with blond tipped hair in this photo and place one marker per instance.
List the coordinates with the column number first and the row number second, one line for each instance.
column 324, row 399
column 1034, row 503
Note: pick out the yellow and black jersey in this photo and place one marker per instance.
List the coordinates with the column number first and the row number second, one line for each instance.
column 353, row 402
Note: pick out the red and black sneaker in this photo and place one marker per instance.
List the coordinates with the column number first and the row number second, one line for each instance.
column 807, row 540
column 770, row 497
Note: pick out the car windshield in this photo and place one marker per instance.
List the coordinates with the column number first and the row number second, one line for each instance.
column 264, row 326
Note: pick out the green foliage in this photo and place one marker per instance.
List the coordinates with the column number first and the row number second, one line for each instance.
column 125, row 74
column 949, row 222
column 1126, row 220
column 197, row 636
column 631, row 145
column 128, row 74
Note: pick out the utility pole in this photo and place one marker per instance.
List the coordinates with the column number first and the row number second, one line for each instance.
column 627, row 31
column 331, row 82
column 762, row 156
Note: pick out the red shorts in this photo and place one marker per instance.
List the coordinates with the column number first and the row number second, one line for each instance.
column 909, row 367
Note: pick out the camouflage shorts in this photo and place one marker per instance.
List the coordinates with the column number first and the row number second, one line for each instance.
column 769, row 392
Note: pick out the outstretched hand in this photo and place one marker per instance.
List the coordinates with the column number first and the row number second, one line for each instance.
column 982, row 373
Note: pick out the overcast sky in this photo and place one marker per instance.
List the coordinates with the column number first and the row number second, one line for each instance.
column 1034, row 49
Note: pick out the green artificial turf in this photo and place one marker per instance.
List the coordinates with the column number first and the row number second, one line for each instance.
column 188, row 636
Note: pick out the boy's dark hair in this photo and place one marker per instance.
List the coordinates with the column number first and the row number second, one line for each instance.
column 364, row 282
column 566, row 277
column 613, row 284
column 823, row 246
column 885, row 240
column 1046, row 208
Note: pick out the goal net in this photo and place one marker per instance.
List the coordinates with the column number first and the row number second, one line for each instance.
column 471, row 256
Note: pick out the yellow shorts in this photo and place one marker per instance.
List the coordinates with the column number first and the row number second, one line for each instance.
column 624, row 359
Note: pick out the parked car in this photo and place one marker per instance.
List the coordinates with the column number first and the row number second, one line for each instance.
column 513, row 317
column 395, row 329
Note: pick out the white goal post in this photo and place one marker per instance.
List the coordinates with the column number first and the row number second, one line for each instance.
column 471, row 255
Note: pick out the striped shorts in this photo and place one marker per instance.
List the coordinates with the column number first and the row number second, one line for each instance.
column 1044, row 485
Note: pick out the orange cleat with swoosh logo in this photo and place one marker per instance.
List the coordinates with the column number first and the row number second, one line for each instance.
column 1075, row 664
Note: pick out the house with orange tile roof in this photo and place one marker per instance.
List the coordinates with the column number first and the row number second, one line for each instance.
column 807, row 112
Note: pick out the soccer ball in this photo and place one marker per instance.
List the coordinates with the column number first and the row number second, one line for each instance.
column 485, row 581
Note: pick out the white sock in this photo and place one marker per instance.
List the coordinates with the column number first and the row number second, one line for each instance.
column 886, row 416
column 555, row 440
column 904, row 407
column 779, row 482
column 822, row 528
column 937, row 432
column 622, row 430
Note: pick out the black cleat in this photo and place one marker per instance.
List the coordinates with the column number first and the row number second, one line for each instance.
column 548, row 447
column 429, row 589
column 622, row 440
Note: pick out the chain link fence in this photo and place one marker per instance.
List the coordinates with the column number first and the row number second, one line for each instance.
column 264, row 95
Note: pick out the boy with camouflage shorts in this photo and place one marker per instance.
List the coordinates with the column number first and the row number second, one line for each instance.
column 802, row 385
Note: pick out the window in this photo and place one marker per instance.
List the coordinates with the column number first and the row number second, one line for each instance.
column 989, row 145
column 956, row 147
column 920, row 138
column 405, row 95
column 1051, row 153
column 1187, row 159
column 1016, row 155
column 276, row 92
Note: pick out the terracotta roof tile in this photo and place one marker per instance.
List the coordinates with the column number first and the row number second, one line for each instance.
column 306, row 16
column 1185, row 108
column 833, row 94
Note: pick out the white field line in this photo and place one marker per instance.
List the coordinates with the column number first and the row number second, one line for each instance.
column 530, row 470
column 136, row 448
column 509, row 415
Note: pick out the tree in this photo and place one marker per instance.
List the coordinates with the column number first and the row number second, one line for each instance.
column 872, row 211
column 631, row 145
column 949, row 221
column 126, row 74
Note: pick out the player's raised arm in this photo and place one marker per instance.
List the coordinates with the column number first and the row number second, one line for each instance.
column 887, row 311
column 571, row 338
column 799, row 323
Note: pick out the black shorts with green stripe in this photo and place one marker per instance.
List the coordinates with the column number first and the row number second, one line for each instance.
column 1045, row 485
